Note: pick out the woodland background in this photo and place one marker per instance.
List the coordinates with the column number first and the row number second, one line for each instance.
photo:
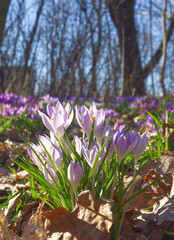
column 87, row 47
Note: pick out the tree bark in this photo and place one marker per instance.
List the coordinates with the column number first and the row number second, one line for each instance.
column 164, row 45
column 29, row 44
column 122, row 14
column 133, row 74
column 4, row 6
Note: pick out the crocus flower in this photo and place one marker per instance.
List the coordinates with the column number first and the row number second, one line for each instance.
column 140, row 145
column 119, row 127
column 85, row 117
column 36, row 149
column 58, row 118
column 54, row 151
column 125, row 143
column 110, row 134
column 78, row 144
column 52, row 173
column 91, row 154
column 75, row 173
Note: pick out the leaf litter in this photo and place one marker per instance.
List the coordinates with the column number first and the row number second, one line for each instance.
column 150, row 215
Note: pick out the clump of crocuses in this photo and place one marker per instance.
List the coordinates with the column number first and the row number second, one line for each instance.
column 89, row 162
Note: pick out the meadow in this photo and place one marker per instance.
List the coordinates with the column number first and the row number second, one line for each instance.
column 83, row 168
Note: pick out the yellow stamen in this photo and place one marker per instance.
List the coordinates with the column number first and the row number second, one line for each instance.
column 52, row 119
column 74, row 168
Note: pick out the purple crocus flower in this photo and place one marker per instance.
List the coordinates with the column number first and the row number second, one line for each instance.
column 54, row 151
column 75, row 173
column 110, row 134
column 37, row 148
column 85, row 117
column 78, row 145
column 119, row 126
column 140, row 145
column 125, row 143
column 47, row 175
column 58, row 118
column 91, row 154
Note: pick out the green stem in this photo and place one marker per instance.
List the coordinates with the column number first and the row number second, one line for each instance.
column 166, row 132
column 93, row 183
column 72, row 198
column 130, row 193
column 113, row 187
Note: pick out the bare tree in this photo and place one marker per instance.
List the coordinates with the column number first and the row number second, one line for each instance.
column 84, row 47
column 134, row 75
column 29, row 44
column 164, row 46
column 4, row 6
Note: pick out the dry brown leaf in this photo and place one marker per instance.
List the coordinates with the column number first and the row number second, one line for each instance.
column 164, row 165
column 164, row 211
column 161, row 187
column 12, row 146
column 128, row 227
column 6, row 233
column 24, row 217
column 3, row 153
column 162, row 217
column 138, row 182
column 91, row 219
column 143, row 200
column 34, row 229
column 157, row 234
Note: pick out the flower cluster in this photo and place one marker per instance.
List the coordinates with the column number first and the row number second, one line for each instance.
column 55, row 154
column 12, row 105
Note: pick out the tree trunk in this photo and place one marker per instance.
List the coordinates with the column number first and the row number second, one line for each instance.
column 133, row 75
column 4, row 5
column 122, row 14
column 164, row 46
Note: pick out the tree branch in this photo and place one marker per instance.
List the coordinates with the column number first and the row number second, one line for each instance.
column 156, row 57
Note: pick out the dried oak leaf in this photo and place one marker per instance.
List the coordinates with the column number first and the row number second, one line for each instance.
column 34, row 229
column 161, row 217
column 161, row 187
column 143, row 200
column 24, row 217
column 164, row 165
column 5, row 232
column 91, row 219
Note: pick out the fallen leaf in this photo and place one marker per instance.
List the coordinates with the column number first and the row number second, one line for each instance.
column 164, row 165
column 161, row 187
column 157, row 234
column 5, row 232
column 34, row 229
column 91, row 219
column 161, row 217
column 143, row 200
